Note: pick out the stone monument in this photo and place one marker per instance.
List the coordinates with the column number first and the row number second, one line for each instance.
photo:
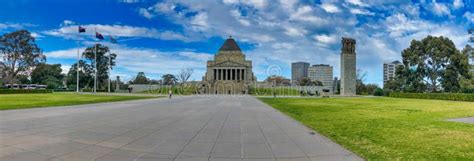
column 348, row 67
column 229, row 72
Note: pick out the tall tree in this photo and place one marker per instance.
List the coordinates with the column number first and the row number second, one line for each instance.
column 19, row 54
column 47, row 73
column 184, row 75
column 102, row 61
column 141, row 79
column 169, row 79
column 360, row 78
column 86, row 75
column 434, row 63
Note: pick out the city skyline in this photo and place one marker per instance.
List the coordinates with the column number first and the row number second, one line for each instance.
column 161, row 37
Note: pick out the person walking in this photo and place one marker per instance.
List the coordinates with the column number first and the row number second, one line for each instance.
column 170, row 93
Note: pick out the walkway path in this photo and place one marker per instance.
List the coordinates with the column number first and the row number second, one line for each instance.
column 195, row 128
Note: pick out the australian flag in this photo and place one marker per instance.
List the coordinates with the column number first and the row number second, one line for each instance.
column 99, row 36
column 113, row 40
column 82, row 29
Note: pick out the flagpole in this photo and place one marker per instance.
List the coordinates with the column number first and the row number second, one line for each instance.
column 77, row 66
column 95, row 67
column 110, row 74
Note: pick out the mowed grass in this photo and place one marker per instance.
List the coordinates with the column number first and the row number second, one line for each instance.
column 20, row 101
column 388, row 128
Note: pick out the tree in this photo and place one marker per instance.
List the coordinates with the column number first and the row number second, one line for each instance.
column 169, row 79
column 48, row 74
column 370, row 88
column 378, row 92
column 467, row 84
column 102, row 61
column 304, row 81
column 19, row 54
column 184, row 75
column 141, row 79
column 360, row 78
column 86, row 75
column 279, row 80
column 434, row 63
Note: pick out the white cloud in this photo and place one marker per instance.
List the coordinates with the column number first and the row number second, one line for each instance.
column 326, row 39
column 145, row 13
column 294, row 32
column 255, row 3
column 306, row 13
column 16, row 26
column 199, row 21
column 71, row 32
column 129, row 1
column 469, row 16
column 357, row 2
column 359, row 11
column 240, row 18
column 330, row 8
column 67, row 23
column 440, row 9
column 400, row 25
column 458, row 4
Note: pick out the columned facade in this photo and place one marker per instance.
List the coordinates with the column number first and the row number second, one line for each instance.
column 229, row 72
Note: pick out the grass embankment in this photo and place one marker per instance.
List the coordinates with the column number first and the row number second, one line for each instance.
column 20, row 101
column 388, row 128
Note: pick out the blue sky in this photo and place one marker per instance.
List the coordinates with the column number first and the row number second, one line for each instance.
column 160, row 37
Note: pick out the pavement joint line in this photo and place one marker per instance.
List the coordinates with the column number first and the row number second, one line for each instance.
column 212, row 116
column 219, row 133
column 286, row 133
column 121, row 135
column 177, row 120
column 266, row 139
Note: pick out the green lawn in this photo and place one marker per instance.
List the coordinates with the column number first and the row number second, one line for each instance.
column 388, row 128
column 19, row 101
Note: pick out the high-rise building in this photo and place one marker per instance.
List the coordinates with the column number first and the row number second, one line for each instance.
column 348, row 67
column 389, row 69
column 322, row 73
column 299, row 70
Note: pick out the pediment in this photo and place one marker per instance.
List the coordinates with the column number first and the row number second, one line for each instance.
column 229, row 64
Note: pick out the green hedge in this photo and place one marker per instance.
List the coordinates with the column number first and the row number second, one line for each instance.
column 98, row 90
column 24, row 91
column 435, row 96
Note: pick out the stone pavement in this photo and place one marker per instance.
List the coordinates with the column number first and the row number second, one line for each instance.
column 194, row 128
column 469, row 120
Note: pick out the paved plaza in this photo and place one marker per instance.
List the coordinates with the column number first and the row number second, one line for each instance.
column 193, row 128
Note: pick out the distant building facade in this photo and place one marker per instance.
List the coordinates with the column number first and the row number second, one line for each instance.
column 299, row 70
column 322, row 73
column 348, row 67
column 389, row 69
column 229, row 72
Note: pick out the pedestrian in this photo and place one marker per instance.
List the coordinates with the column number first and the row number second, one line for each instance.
column 170, row 93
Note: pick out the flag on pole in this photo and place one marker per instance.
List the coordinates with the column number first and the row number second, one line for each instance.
column 82, row 29
column 99, row 36
column 112, row 39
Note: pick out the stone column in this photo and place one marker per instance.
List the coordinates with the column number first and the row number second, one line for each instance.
column 225, row 74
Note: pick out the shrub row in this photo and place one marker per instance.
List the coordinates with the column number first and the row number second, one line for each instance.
column 24, row 91
column 435, row 96
column 98, row 90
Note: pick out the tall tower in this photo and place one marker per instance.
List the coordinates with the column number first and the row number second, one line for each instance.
column 348, row 67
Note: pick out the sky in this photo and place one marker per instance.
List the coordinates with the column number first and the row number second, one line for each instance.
column 161, row 37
